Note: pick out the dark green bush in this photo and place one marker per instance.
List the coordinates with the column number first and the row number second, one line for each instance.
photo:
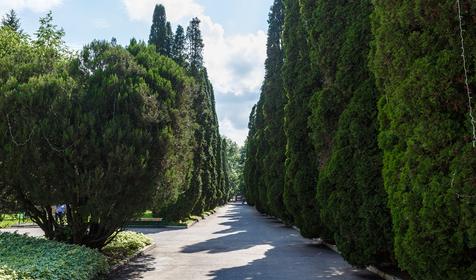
column 83, row 131
column 23, row 257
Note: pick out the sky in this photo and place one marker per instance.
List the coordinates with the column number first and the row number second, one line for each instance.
column 234, row 33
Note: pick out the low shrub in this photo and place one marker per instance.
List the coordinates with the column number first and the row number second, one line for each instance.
column 124, row 245
column 23, row 257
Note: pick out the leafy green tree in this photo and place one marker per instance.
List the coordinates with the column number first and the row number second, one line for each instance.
column 300, row 82
column 160, row 31
column 11, row 20
column 425, row 133
column 233, row 155
column 83, row 131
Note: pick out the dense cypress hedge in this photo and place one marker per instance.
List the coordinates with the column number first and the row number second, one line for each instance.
column 387, row 148
column 425, row 132
column 301, row 164
column 350, row 191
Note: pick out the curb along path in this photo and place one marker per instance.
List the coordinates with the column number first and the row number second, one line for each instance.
column 237, row 243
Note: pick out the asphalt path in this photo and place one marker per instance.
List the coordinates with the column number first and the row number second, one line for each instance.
column 237, row 243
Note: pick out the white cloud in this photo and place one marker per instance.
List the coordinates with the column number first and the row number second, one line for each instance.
column 177, row 10
column 235, row 63
column 38, row 6
column 229, row 130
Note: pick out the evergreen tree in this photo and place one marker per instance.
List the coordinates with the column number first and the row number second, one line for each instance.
column 273, row 111
column 169, row 40
column 12, row 21
column 194, row 46
column 178, row 117
column 160, row 31
column 301, row 165
column 425, row 133
column 178, row 47
column 352, row 206
column 250, row 169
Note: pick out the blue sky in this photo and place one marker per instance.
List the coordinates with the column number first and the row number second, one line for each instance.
column 234, row 33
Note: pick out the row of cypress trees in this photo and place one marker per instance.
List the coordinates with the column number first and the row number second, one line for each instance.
column 361, row 135
column 197, row 180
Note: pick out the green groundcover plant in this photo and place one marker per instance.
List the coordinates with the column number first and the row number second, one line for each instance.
column 125, row 244
column 23, row 257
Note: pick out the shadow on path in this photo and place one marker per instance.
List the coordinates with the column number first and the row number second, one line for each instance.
column 289, row 257
column 135, row 269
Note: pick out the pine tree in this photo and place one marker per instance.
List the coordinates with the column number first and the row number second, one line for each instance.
column 12, row 21
column 300, row 82
column 178, row 47
column 429, row 162
column 159, row 32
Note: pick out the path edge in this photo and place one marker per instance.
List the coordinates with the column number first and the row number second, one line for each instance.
column 139, row 253
column 369, row 268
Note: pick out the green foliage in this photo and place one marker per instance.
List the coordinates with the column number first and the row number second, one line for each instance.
column 125, row 244
column 429, row 162
column 23, row 257
column 178, row 48
column 301, row 164
column 250, row 168
column 93, row 120
column 268, row 139
column 11, row 21
column 161, row 31
column 195, row 47
column 350, row 192
column 235, row 166
column 175, row 104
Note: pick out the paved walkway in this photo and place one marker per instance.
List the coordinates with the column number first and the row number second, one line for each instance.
column 238, row 243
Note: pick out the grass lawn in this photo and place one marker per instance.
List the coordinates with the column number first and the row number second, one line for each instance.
column 7, row 220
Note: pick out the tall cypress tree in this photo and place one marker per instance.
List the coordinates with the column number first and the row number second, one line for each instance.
column 273, row 110
column 352, row 206
column 425, row 133
column 169, row 39
column 250, row 169
column 301, row 165
column 195, row 46
column 159, row 32
column 178, row 47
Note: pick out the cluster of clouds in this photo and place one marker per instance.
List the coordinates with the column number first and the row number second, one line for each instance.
column 38, row 6
column 234, row 62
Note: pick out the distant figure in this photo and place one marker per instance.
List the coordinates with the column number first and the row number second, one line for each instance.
column 59, row 213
